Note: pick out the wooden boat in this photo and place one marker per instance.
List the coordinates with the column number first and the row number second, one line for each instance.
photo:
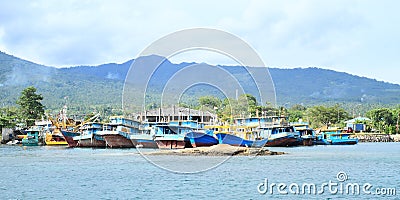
column 243, row 136
column 69, row 137
column 88, row 136
column 307, row 134
column 146, row 135
column 32, row 137
column 280, row 135
column 117, row 132
column 55, row 138
column 335, row 136
column 202, row 139
column 173, row 134
column 66, row 127
column 145, row 140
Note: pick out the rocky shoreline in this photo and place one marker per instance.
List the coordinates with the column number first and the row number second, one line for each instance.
column 217, row 150
column 368, row 137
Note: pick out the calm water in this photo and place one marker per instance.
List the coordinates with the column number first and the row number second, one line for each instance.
column 63, row 173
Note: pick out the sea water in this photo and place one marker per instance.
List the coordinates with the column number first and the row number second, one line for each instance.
column 77, row 173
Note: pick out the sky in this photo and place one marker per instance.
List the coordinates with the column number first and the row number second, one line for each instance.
column 361, row 37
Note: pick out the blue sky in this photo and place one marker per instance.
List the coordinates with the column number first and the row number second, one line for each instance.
column 360, row 37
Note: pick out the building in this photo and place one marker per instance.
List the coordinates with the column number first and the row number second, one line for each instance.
column 357, row 124
column 177, row 113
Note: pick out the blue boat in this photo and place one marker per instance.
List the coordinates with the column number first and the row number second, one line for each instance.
column 261, row 121
column 173, row 134
column 335, row 137
column 117, row 133
column 69, row 137
column 202, row 139
column 307, row 134
column 233, row 140
column 88, row 135
column 280, row 136
column 32, row 137
column 146, row 135
column 243, row 136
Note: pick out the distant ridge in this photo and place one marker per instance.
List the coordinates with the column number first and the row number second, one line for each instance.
column 91, row 86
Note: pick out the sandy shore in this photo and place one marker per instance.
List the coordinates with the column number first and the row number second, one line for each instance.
column 217, row 150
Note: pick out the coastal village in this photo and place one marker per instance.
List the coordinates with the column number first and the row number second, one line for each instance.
column 185, row 128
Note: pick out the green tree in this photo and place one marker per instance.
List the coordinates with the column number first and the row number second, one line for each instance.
column 8, row 117
column 228, row 111
column 296, row 112
column 210, row 102
column 247, row 105
column 382, row 119
column 30, row 104
column 327, row 116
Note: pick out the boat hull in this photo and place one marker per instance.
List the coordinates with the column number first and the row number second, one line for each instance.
column 172, row 144
column 69, row 137
column 198, row 139
column 143, row 141
column 286, row 141
column 307, row 142
column 343, row 142
column 233, row 140
column 92, row 141
column 56, row 143
column 30, row 142
column 321, row 140
column 55, row 140
column 117, row 141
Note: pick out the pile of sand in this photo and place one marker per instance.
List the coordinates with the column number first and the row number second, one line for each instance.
column 217, row 150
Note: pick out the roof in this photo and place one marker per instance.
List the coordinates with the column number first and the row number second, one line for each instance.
column 178, row 111
column 358, row 119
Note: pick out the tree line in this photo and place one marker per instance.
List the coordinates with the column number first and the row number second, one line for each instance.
column 30, row 108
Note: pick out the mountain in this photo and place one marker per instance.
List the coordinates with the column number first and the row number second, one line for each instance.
column 98, row 87
column 78, row 89
column 315, row 85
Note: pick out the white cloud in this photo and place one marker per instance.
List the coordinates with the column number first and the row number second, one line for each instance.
column 360, row 37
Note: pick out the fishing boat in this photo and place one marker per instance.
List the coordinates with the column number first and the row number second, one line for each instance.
column 280, row 135
column 202, row 139
column 261, row 121
column 243, row 136
column 67, row 127
column 117, row 132
column 55, row 138
column 307, row 134
column 146, row 135
column 88, row 135
column 335, row 136
column 173, row 134
column 32, row 137
column 69, row 137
